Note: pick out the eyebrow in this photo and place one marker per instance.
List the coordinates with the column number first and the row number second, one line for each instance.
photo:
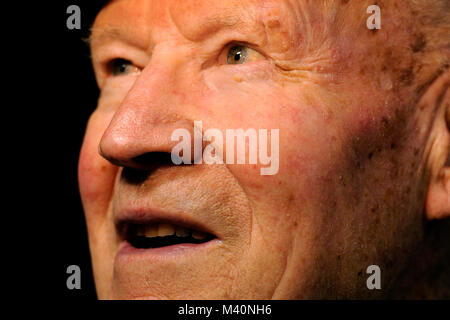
column 100, row 6
column 213, row 24
column 103, row 34
column 99, row 36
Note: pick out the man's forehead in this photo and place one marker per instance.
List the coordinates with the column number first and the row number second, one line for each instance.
column 194, row 19
column 210, row 15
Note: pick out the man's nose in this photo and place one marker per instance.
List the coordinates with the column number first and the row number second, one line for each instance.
column 144, row 122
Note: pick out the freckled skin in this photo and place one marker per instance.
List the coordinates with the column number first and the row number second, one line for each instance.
column 352, row 180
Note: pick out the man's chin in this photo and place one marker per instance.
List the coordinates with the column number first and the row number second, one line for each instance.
column 181, row 271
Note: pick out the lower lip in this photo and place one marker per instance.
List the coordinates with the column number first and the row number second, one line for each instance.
column 164, row 253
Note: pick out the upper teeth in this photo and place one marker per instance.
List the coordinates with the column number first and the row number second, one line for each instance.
column 165, row 229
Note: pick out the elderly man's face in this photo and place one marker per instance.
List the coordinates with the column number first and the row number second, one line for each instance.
column 350, row 188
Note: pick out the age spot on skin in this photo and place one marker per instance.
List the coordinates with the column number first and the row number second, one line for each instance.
column 273, row 23
column 407, row 76
column 290, row 199
column 419, row 44
column 237, row 79
column 374, row 207
column 400, row 64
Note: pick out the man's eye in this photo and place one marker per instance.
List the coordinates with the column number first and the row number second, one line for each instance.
column 237, row 55
column 241, row 54
column 120, row 67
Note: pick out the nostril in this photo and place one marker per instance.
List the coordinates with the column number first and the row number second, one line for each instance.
column 144, row 165
column 134, row 176
column 154, row 159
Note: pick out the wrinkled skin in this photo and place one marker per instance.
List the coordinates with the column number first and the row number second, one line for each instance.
column 363, row 146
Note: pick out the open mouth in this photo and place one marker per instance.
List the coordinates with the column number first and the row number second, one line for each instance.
column 158, row 235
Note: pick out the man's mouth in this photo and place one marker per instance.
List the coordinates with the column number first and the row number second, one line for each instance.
column 158, row 235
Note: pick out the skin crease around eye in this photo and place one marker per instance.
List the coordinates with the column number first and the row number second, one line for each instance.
column 339, row 202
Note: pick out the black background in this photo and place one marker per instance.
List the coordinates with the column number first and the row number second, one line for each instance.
column 81, row 92
column 63, row 94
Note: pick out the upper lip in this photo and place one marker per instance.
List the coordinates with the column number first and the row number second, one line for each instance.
column 179, row 196
column 124, row 218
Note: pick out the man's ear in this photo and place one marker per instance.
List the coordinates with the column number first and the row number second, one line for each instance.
column 437, row 205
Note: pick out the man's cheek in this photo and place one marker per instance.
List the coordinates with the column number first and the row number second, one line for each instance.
column 95, row 174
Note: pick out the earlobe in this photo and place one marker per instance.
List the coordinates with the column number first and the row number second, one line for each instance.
column 437, row 204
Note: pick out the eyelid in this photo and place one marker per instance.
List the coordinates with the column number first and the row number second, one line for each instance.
column 103, row 55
